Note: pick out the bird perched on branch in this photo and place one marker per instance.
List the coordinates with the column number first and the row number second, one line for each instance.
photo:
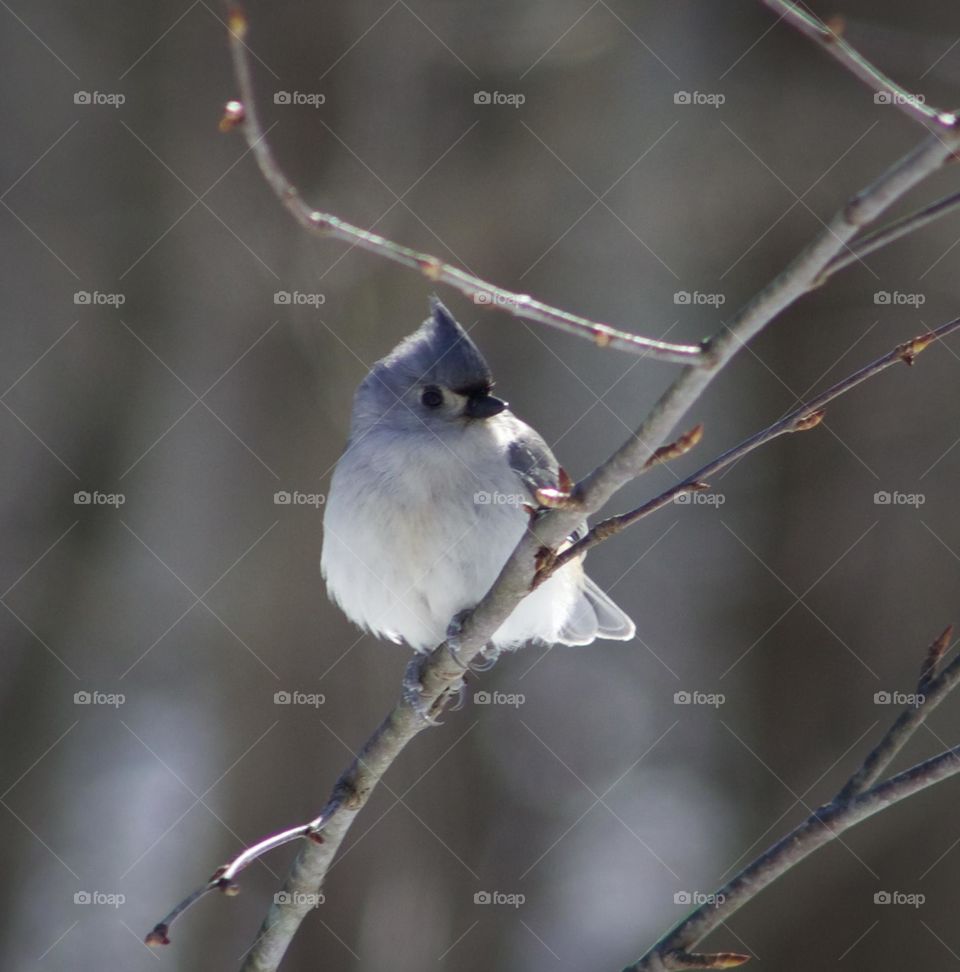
column 434, row 491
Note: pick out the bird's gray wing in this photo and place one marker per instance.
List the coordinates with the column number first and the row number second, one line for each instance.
column 531, row 459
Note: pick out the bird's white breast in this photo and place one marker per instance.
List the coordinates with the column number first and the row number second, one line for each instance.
column 416, row 528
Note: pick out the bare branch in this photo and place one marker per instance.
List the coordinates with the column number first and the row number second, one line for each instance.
column 829, row 36
column 804, row 417
column 243, row 114
column 859, row 799
column 930, row 693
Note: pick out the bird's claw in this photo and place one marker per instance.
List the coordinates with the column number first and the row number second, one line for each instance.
column 488, row 655
column 413, row 690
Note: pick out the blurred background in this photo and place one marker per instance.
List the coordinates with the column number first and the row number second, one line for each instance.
column 176, row 685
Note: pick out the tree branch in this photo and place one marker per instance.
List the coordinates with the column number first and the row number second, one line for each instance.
column 829, row 36
column 244, row 115
column 438, row 673
column 803, row 417
column 870, row 242
column 860, row 798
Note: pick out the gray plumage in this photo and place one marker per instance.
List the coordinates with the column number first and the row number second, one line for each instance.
column 432, row 495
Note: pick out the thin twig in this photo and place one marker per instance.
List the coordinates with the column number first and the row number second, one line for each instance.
column 930, row 693
column 804, row 417
column 852, row 805
column 830, row 38
column 483, row 293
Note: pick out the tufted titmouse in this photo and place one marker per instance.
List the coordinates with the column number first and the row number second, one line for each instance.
column 433, row 493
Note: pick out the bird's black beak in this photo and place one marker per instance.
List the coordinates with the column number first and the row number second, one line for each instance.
column 483, row 406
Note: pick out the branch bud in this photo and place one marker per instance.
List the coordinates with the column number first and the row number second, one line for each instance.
column 678, row 448
column 909, row 351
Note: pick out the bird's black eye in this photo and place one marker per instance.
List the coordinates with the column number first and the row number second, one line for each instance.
column 432, row 397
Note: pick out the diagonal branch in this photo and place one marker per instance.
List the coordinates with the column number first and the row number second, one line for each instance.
column 803, row 417
column 860, row 798
column 931, row 691
column 829, row 36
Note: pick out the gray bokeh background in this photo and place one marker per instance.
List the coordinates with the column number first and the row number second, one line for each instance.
column 598, row 799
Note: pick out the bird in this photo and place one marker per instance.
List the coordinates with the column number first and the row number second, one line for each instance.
column 435, row 489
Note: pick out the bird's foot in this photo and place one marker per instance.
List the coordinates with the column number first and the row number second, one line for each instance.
column 413, row 693
column 454, row 630
column 488, row 658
